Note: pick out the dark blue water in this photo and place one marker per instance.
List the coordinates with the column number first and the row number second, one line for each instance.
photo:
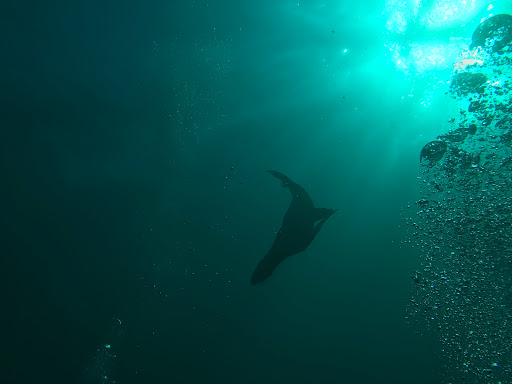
column 135, row 204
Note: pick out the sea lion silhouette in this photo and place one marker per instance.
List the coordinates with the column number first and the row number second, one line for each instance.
column 297, row 231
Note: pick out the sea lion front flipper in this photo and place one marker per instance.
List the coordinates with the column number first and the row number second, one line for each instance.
column 322, row 213
column 319, row 225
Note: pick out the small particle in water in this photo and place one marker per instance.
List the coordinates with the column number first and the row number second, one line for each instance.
column 107, row 346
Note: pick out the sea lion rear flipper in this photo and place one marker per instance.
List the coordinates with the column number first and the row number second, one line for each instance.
column 286, row 182
column 299, row 194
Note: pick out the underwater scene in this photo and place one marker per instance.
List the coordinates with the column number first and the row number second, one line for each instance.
column 221, row 191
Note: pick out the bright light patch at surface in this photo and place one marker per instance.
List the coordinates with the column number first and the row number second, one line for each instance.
column 400, row 13
column 398, row 58
column 432, row 15
column 406, row 19
column 448, row 13
column 433, row 56
column 422, row 57
column 428, row 56
column 397, row 22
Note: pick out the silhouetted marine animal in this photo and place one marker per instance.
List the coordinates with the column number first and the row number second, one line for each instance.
column 297, row 231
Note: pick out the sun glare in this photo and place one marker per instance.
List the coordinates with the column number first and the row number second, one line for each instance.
column 409, row 18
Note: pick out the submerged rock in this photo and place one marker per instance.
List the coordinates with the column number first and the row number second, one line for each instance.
column 466, row 82
column 463, row 220
column 433, row 152
column 495, row 33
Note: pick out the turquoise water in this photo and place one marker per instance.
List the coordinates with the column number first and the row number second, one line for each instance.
column 136, row 203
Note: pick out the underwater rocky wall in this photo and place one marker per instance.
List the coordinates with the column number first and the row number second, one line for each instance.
column 463, row 221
